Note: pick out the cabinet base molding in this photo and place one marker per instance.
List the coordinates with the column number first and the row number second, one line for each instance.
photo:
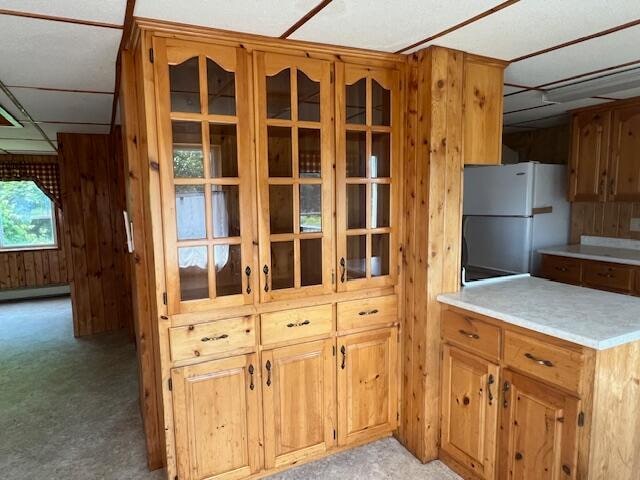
column 456, row 466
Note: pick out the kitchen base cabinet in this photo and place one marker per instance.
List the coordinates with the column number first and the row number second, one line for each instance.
column 469, row 410
column 537, row 429
column 299, row 402
column 367, row 385
column 216, row 408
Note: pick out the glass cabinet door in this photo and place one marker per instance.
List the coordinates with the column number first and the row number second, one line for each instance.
column 295, row 151
column 205, row 170
column 367, row 163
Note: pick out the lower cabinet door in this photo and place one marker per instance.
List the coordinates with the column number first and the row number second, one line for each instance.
column 538, row 431
column 367, row 385
column 216, row 408
column 470, row 410
column 299, row 402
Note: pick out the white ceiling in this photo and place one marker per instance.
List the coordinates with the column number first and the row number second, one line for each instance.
column 62, row 69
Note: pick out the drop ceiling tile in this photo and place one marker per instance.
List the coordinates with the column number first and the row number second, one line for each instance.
column 548, row 111
column 599, row 74
column 264, row 17
column 58, row 55
column 634, row 92
column 52, row 129
column 15, row 146
column 8, row 105
column 386, row 26
column 597, row 53
column 105, row 11
column 532, row 25
column 525, row 99
column 508, row 89
column 45, row 105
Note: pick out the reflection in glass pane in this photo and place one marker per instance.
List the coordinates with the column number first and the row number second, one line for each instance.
column 190, row 212
column 221, row 89
column 311, row 262
column 281, row 208
column 380, row 205
column 309, row 159
column 279, row 151
column 381, row 99
column 356, row 102
column 310, row 208
column 194, row 276
column 308, row 98
column 380, row 162
column 282, row 268
column 356, row 206
column 228, row 263
column 225, row 208
column 356, row 256
column 356, row 154
column 223, row 147
column 185, row 86
column 188, row 159
column 379, row 254
column 279, row 95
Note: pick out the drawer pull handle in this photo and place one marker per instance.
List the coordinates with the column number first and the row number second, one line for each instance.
column 298, row 324
column 562, row 269
column 214, row 338
column 539, row 361
column 606, row 275
column 251, row 385
column 490, row 381
column 475, row 336
column 343, row 351
column 268, row 367
column 368, row 312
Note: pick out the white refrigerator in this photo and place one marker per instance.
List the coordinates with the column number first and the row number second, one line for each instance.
column 511, row 211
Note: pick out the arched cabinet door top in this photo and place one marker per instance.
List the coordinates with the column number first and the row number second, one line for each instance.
column 274, row 64
column 386, row 78
column 179, row 52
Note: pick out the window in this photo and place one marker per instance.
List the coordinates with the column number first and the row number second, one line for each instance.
column 27, row 217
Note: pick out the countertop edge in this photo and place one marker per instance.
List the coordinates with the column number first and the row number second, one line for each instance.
column 536, row 327
column 587, row 256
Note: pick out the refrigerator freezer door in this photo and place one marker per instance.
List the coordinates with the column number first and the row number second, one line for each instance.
column 499, row 243
column 505, row 190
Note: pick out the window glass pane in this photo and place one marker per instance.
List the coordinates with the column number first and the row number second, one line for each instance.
column 356, row 102
column 356, row 154
column 308, row 98
column 221, row 87
column 310, row 208
column 27, row 216
column 188, row 159
column 185, row 86
column 309, row 159
column 281, row 208
column 279, row 151
column 194, row 278
column 225, row 208
column 279, row 95
column 380, row 162
column 379, row 254
column 380, row 205
column 311, row 262
column 223, row 145
column 228, row 264
column 190, row 212
column 356, row 206
column 282, row 265
column 356, row 256
column 381, row 99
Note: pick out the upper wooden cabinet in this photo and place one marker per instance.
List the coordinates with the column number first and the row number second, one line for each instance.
column 482, row 99
column 589, row 161
column 206, row 165
column 368, row 149
column 295, row 175
column 624, row 173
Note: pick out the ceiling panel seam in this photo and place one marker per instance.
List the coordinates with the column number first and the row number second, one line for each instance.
column 76, row 21
column 305, row 18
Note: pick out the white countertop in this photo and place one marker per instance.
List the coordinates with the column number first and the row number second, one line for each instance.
column 591, row 318
column 626, row 256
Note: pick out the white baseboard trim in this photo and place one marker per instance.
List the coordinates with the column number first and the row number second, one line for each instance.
column 24, row 293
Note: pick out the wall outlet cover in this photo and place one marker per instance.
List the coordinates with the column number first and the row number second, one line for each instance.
column 635, row 225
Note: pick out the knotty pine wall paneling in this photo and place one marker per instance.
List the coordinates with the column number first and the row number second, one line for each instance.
column 93, row 200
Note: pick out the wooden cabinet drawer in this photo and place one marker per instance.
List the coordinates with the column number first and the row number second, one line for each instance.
column 549, row 362
column 608, row 276
column 212, row 338
column 562, row 269
column 471, row 333
column 367, row 312
column 277, row 327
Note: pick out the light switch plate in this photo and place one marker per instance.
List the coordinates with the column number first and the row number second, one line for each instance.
column 635, row 225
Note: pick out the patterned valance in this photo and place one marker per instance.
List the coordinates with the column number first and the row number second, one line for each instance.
column 45, row 175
